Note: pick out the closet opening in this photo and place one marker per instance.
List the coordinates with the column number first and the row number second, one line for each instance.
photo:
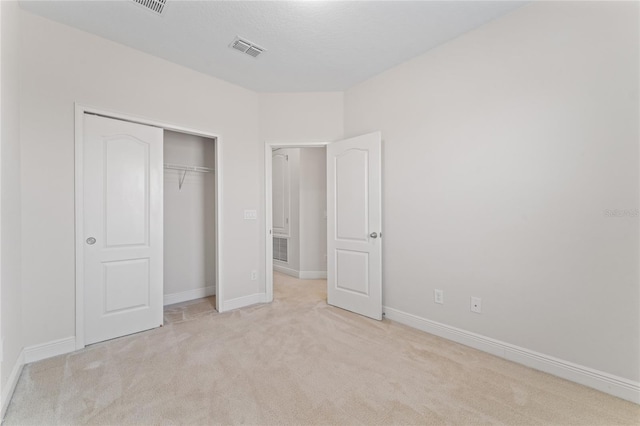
column 189, row 226
column 147, row 223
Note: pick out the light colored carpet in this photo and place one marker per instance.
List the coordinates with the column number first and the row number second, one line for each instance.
column 186, row 311
column 298, row 361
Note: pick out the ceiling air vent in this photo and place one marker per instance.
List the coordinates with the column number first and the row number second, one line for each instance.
column 247, row 47
column 155, row 6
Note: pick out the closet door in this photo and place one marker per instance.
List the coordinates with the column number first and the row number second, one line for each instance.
column 123, row 214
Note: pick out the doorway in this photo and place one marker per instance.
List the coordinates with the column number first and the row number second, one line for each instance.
column 283, row 222
column 152, row 168
column 189, row 209
column 354, row 222
column 300, row 212
column 189, row 228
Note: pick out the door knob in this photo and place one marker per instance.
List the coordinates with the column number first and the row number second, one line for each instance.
column 91, row 241
column 374, row 235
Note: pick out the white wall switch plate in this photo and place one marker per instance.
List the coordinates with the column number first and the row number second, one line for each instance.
column 476, row 305
column 254, row 275
column 250, row 215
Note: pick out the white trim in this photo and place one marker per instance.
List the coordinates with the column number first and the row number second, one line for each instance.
column 268, row 222
column 80, row 110
column 285, row 270
column 79, row 225
column 184, row 296
column 2, row 388
column 50, row 349
column 241, row 302
column 12, row 381
column 599, row 380
column 312, row 275
column 3, row 399
column 269, row 146
column 218, row 229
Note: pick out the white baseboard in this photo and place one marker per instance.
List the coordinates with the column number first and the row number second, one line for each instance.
column 183, row 296
column 49, row 349
column 312, row 275
column 7, row 390
column 303, row 275
column 599, row 380
column 241, row 302
column 285, row 270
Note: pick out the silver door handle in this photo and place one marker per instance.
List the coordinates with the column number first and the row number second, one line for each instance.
column 91, row 241
column 374, row 235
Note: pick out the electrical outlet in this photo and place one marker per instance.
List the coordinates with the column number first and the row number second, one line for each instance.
column 254, row 275
column 476, row 305
column 438, row 296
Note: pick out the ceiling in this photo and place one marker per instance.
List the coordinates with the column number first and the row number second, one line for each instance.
column 310, row 45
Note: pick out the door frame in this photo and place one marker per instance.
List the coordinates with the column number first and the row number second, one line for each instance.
column 80, row 110
column 269, row 146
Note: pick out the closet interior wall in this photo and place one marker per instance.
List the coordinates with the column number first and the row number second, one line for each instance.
column 189, row 218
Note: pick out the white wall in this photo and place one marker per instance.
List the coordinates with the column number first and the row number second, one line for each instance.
column 301, row 117
column 10, row 230
column 313, row 208
column 503, row 151
column 60, row 66
column 189, row 218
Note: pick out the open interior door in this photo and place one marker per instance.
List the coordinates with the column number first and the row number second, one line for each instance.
column 123, row 234
column 354, row 222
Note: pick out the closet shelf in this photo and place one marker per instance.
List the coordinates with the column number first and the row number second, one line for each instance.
column 184, row 168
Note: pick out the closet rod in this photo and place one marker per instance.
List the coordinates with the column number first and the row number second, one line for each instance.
column 186, row 169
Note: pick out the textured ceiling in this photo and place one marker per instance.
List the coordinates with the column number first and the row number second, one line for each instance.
column 311, row 45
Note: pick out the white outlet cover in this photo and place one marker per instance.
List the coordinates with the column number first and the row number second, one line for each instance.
column 476, row 305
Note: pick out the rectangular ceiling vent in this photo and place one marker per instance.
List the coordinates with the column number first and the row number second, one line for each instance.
column 247, row 47
column 155, row 6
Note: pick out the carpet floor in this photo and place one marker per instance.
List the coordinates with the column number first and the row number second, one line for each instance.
column 297, row 361
column 186, row 311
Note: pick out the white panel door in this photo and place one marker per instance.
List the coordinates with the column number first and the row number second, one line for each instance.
column 123, row 240
column 281, row 193
column 354, row 222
